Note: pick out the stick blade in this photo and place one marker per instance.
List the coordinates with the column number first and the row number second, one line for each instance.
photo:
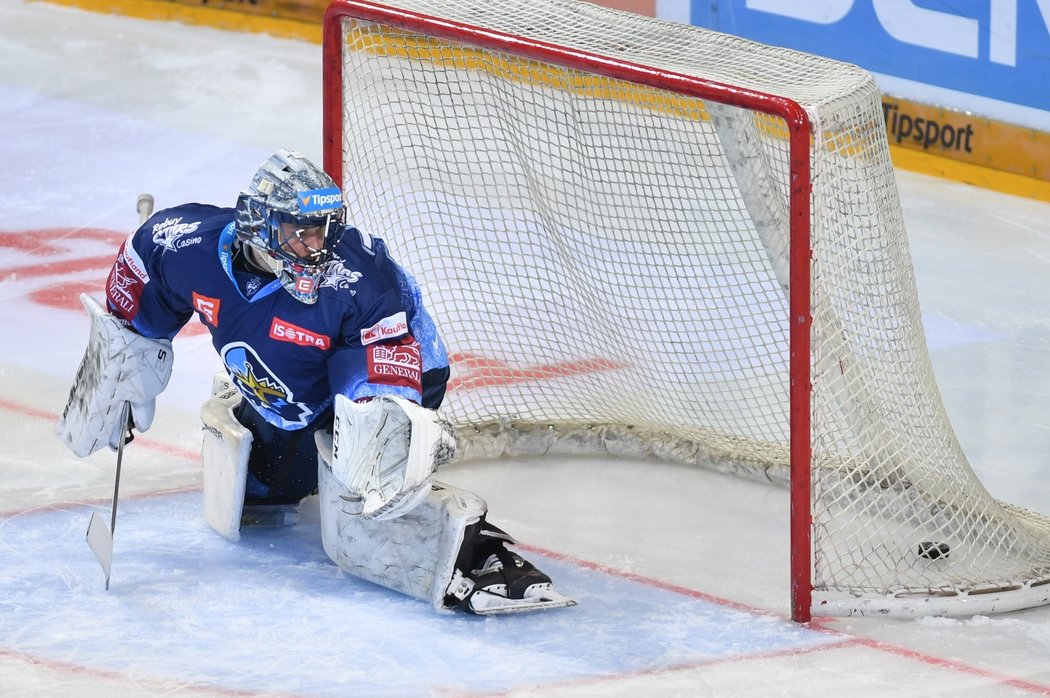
column 100, row 540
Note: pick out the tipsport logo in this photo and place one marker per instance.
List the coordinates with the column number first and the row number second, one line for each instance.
column 317, row 200
column 261, row 387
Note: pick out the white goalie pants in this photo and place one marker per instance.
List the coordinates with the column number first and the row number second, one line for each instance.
column 414, row 554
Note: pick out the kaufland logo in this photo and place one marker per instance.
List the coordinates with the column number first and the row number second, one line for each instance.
column 387, row 328
column 319, row 200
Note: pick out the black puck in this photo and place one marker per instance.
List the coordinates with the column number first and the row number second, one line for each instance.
column 933, row 551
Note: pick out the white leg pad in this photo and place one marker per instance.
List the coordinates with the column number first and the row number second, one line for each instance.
column 224, row 456
column 414, row 554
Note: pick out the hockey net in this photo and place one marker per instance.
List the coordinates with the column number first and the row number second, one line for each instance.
column 648, row 238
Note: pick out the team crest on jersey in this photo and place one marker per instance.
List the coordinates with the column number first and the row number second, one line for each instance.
column 261, row 386
column 171, row 233
column 336, row 275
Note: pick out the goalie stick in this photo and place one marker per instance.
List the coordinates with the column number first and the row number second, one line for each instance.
column 100, row 538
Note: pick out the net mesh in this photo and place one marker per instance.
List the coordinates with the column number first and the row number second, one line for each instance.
column 607, row 262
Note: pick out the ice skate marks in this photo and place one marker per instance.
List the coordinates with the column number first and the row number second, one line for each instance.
column 272, row 614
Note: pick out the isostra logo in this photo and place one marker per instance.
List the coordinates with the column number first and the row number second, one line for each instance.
column 284, row 331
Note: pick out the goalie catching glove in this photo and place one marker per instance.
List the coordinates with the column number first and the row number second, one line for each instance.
column 385, row 452
column 118, row 366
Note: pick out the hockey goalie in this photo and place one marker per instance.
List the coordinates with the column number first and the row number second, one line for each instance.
column 334, row 372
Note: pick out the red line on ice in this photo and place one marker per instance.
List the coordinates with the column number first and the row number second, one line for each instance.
column 847, row 639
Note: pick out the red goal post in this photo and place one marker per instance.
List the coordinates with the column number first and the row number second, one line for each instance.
column 413, row 67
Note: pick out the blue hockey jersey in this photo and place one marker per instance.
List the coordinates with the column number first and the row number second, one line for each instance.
column 368, row 334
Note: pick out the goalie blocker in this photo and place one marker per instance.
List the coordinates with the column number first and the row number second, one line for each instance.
column 383, row 518
column 118, row 366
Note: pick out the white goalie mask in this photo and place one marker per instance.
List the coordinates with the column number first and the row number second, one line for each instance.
column 292, row 213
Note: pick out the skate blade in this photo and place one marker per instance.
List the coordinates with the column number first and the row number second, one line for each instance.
column 495, row 605
column 269, row 515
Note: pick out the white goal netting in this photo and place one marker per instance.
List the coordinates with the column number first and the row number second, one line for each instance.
column 608, row 263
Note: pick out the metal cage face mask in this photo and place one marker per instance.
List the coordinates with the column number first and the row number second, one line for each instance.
column 303, row 240
column 301, row 249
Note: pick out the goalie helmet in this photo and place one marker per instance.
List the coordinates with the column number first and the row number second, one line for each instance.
column 292, row 214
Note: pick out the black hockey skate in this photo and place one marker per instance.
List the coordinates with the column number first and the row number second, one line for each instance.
column 269, row 515
column 501, row 581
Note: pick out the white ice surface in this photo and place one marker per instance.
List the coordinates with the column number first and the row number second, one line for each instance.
column 681, row 574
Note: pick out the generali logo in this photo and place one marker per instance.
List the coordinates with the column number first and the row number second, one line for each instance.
column 388, row 328
column 207, row 307
column 284, row 331
column 396, row 364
